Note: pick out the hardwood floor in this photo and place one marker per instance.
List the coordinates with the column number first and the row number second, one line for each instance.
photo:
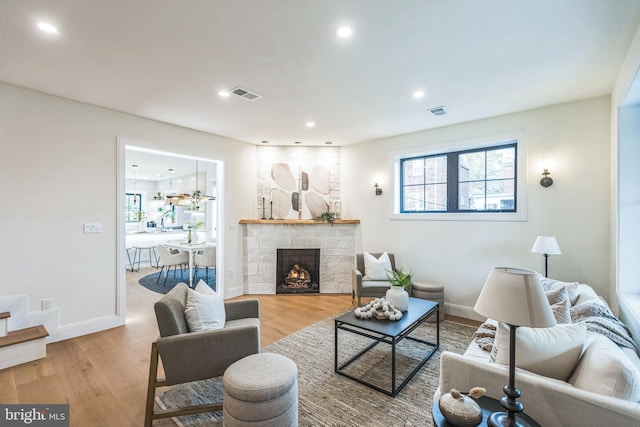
column 103, row 376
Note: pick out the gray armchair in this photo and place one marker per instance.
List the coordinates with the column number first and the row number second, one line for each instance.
column 190, row 356
column 362, row 287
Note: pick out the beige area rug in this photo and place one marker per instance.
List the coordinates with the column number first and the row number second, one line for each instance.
column 329, row 399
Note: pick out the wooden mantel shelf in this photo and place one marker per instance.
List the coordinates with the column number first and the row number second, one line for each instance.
column 296, row 221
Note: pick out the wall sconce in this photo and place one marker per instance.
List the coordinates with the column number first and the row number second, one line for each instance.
column 378, row 189
column 546, row 181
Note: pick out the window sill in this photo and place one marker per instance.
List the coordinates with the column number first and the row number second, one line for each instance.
column 479, row 216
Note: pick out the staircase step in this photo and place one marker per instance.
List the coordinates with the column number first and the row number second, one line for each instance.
column 23, row 335
column 4, row 316
column 22, row 346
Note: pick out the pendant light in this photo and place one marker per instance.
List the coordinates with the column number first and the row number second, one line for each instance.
column 135, row 182
column 196, row 196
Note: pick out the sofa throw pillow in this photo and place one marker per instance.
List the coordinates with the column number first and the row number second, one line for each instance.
column 562, row 311
column 552, row 285
column 552, row 352
column 376, row 268
column 203, row 288
column 557, row 295
column 605, row 369
column 559, row 301
column 204, row 311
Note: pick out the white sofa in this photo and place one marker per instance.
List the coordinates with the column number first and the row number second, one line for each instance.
column 602, row 384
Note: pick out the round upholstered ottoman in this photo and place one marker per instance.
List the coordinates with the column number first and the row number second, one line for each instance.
column 261, row 390
column 431, row 292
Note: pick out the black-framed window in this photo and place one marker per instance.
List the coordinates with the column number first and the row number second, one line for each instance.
column 475, row 180
column 133, row 207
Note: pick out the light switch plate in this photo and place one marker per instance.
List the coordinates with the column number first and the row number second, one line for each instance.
column 92, row 228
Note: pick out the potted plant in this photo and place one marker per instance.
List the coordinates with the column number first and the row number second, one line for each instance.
column 170, row 214
column 193, row 237
column 327, row 216
column 397, row 295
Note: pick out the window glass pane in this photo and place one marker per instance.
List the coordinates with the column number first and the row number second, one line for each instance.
column 133, row 205
column 500, row 194
column 436, row 170
column 501, row 163
column 436, row 197
column 413, row 172
column 471, row 166
column 413, row 198
column 474, row 196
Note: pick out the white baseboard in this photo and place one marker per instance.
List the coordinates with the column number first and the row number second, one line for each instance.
column 463, row 311
column 87, row 327
column 20, row 319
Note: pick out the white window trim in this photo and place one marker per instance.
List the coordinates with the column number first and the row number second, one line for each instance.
column 461, row 145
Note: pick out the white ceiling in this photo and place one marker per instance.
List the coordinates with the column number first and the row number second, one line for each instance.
column 167, row 59
column 154, row 166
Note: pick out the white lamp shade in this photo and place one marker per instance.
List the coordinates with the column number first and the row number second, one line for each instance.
column 546, row 245
column 515, row 297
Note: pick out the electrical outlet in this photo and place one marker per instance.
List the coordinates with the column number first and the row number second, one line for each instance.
column 47, row 304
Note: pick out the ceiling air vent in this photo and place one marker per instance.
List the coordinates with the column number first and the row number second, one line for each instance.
column 246, row 94
column 438, row 111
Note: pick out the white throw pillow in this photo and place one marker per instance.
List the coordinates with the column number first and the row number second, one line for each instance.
column 204, row 311
column 553, row 352
column 376, row 268
column 605, row 369
column 203, row 288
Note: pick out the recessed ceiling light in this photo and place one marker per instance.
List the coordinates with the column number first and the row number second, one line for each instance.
column 310, row 124
column 265, row 142
column 328, row 142
column 298, row 142
column 47, row 27
column 418, row 94
column 344, row 31
column 224, row 93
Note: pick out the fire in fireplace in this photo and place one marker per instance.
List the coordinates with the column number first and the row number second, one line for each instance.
column 297, row 271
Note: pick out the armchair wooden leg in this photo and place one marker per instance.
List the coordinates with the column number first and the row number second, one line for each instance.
column 151, row 386
column 154, row 382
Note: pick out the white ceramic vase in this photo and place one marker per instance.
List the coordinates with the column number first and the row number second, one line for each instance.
column 397, row 296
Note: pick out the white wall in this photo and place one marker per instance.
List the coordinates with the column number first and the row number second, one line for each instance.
column 573, row 140
column 58, row 169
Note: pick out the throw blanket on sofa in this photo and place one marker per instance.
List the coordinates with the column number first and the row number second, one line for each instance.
column 598, row 318
column 485, row 335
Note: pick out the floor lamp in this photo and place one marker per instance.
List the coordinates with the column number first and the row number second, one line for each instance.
column 546, row 245
column 515, row 297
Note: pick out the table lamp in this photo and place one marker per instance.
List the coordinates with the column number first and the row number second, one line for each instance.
column 546, row 245
column 515, row 297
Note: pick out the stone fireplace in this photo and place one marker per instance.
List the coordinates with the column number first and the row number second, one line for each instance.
column 335, row 244
column 297, row 271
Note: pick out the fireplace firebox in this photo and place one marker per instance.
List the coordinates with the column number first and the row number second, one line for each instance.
column 297, row 271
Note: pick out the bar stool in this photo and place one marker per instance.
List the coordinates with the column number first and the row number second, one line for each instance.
column 130, row 265
column 153, row 256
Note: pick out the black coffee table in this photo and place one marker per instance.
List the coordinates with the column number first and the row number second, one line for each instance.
column 389, row 332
